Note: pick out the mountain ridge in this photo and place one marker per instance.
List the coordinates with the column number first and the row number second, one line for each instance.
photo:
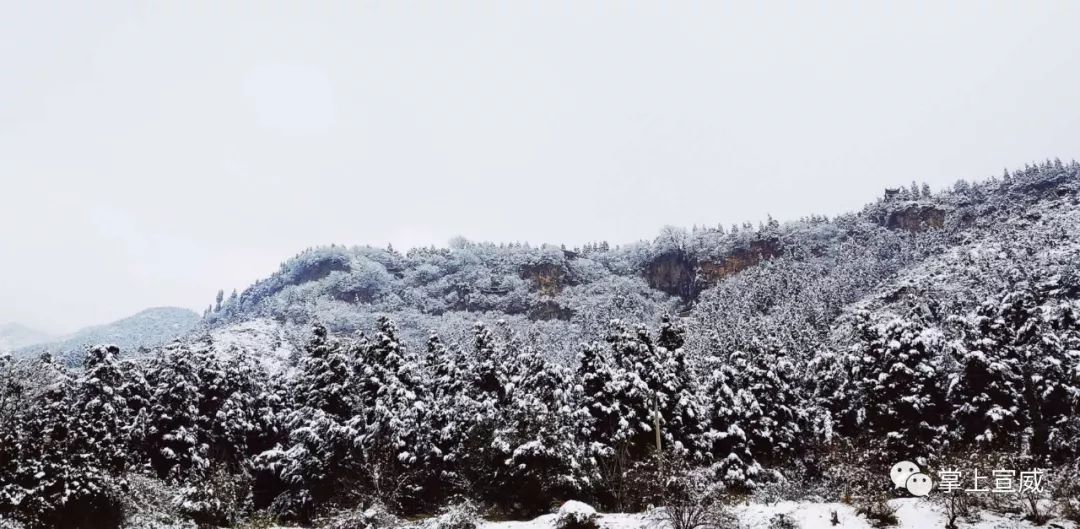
column 145, row 329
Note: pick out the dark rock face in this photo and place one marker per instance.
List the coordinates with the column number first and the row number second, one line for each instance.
column 548, row 278
column 711, row 273
column 674, row 273
column 679, row 275
column 916, row 218
column 320, row 269
column 550, row 310
column 357, row 295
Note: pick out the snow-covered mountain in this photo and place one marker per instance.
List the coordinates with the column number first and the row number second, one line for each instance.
column 732, row 283
column 14, row 336
column 799, row 364
column 146, row 329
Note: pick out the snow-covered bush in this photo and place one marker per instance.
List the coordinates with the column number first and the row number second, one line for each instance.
column 783, row 521
column 463, row 515
column 577, row 515
column 150, row 503
column 223, row 500
column 373, row 517
column 8, row 523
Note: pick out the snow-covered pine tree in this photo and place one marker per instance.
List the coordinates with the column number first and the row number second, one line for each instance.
column 681, row 409
column 595, row 374
column 309, row 471
column 636, row 377
column 449, row 423
column 1036, row 334
column 734, row 464
column 484, row 398
column 987, row 393
column 774, row 423
column 902, row 389
column 175, row 444
column 537, row 437
column 51, row 470
column 488, row 372
column 392, row 429
column 137, row 394
column 103, row 408
column 248, row 421
column 829, row 390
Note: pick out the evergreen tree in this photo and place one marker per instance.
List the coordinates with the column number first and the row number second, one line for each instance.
column 898, row 380
column 104, row 409
column 681, row 409
column 310, row 471
column 175, row 445
column 735, row 465
column 987, row 393
column 537, row 437
column 53, row 473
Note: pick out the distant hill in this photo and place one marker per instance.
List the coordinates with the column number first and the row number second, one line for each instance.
column 15, row 336
column 940, row 251
column 147, row 329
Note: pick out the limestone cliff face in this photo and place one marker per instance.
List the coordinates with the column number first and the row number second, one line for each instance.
column 548, row 278
column 673, row 273
column 710, row 273
column 679, row 275
column 916, row 218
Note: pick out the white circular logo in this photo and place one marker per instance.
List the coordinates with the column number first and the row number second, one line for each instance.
column 901, row 472
column 919, row 484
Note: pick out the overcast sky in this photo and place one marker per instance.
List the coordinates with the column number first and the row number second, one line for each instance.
column 150, row 155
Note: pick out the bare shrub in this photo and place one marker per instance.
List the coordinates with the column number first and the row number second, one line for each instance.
column 878, row 511
column 1067, row 492
column 956, row 504
column 223, row 500
column 693, row 499
column 374, row 517
column 464, row 515
column 783, row 521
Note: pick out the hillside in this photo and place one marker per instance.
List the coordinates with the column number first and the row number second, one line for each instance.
column 147, row 329
column 14, row 336
column 757, row 371
column 733, row 282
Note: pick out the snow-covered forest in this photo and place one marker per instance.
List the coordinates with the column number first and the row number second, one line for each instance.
column 764, row 362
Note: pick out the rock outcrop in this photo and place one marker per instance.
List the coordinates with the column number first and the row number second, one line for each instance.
column 916, row 217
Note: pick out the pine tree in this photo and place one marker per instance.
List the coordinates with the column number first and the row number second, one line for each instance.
column 898, row 379
column 987, row 393
column 175, row 445
column 735, row 465
column 52, row 470
column 599, row 401
column 681, row 409
column 104, row 409
column 636, row 378
column 308, row 471
column 537, row 437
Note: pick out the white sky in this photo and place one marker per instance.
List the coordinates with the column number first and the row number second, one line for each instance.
column 150, row 155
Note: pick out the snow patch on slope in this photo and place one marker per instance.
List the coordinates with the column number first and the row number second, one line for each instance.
column 271, row 343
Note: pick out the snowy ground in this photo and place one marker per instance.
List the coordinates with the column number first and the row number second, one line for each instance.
column 912, row 513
